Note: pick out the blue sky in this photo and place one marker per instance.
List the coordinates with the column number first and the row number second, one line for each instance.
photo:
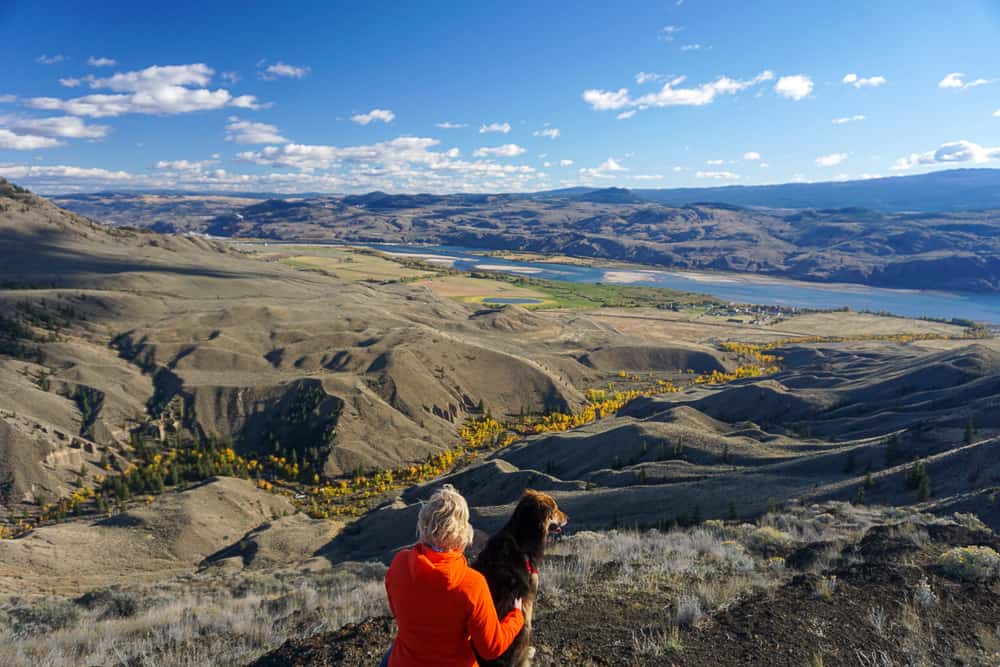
column 443, row 97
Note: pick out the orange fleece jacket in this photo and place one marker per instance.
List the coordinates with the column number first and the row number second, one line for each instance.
column 440, row 604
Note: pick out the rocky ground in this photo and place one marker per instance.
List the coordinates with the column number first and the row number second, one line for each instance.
column 853, row 587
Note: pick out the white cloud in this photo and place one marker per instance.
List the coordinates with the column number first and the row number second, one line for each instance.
column 996, row 114
column 249, row 132
column 495, row 127
column 565, row 163
column 550, row 132
column 718, row 175
column 848, row 119
column 280, row 69
column 751, row 155
column 248, row 102
column 670, row 94
column 625, row 115
column 406, row 164
column 185, row 165
column 794, row 87
column 62, row 171
column 383, row 115
column 7, row 99
column 648, row 177
column 166, row 90
column 606, row 169
column 101, row 61
column 831, row 160
column 691, row 47
column 953, row 151
column 957, row 80
column 50, row 60
column 232, row 78
column 68, row 127
column 70, row 82
column 668, row 32
column 506, row 150
column 646, row 77
column 448, row 125
column 853, row 79
column 764, row 165
column 25, row 142
column 715, row 162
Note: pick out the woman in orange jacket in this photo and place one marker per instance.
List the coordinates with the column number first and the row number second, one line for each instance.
column 442, row 606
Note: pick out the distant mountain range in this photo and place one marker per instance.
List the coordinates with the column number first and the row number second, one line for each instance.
column 949, row 190
column 952, row 190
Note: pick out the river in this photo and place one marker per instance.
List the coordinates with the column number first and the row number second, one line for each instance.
column 742, row 288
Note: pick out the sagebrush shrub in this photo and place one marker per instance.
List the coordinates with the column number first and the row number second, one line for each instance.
column 767, row 540
column 970, row 563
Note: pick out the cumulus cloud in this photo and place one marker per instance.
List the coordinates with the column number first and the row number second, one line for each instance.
column 249, row 132
column 550, row 132
column 186, row 165
column 625, row 115
column 718, row 175
column 495, row 127
column 102, row 61
column 448, row 125
column 68, row 127
column 794, row 87
column 996, row 114
column 671, row 94
column 715, row 162
column 606, row 169
column 831, row 160
column 957, row 80
column 953, row 151
column 282, row 70
column 848, row 119
column 853, row 79
column 404, row 164
column 70, row 82
column 751, row 155
column 25, row 142
column 50, row 60
column 232, row 78
column 506, row 150
column 384, row 115
column 159, row 90
column 565, row 163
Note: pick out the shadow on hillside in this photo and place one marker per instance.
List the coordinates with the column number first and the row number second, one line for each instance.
column 52, row 258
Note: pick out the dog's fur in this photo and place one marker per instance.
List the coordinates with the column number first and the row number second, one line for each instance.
column 504, row 563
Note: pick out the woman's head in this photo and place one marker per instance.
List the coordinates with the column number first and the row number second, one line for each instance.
column 444, row 520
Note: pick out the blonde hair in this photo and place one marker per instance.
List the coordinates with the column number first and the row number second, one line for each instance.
column 444, row 520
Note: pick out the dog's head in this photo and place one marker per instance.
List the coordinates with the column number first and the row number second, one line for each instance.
column 541, row 510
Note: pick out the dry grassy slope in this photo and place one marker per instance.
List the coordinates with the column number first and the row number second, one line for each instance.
column 157, row 318
column 713, row 451
column 171, row 535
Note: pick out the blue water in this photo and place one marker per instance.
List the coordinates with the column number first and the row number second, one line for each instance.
column 510, row 300
column 736, row 287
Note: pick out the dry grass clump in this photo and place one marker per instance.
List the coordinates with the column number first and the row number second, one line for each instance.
column 970, row 563
column 204, row 620
column 767, row 540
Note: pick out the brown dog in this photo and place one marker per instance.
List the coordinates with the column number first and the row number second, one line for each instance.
column 510, row 562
